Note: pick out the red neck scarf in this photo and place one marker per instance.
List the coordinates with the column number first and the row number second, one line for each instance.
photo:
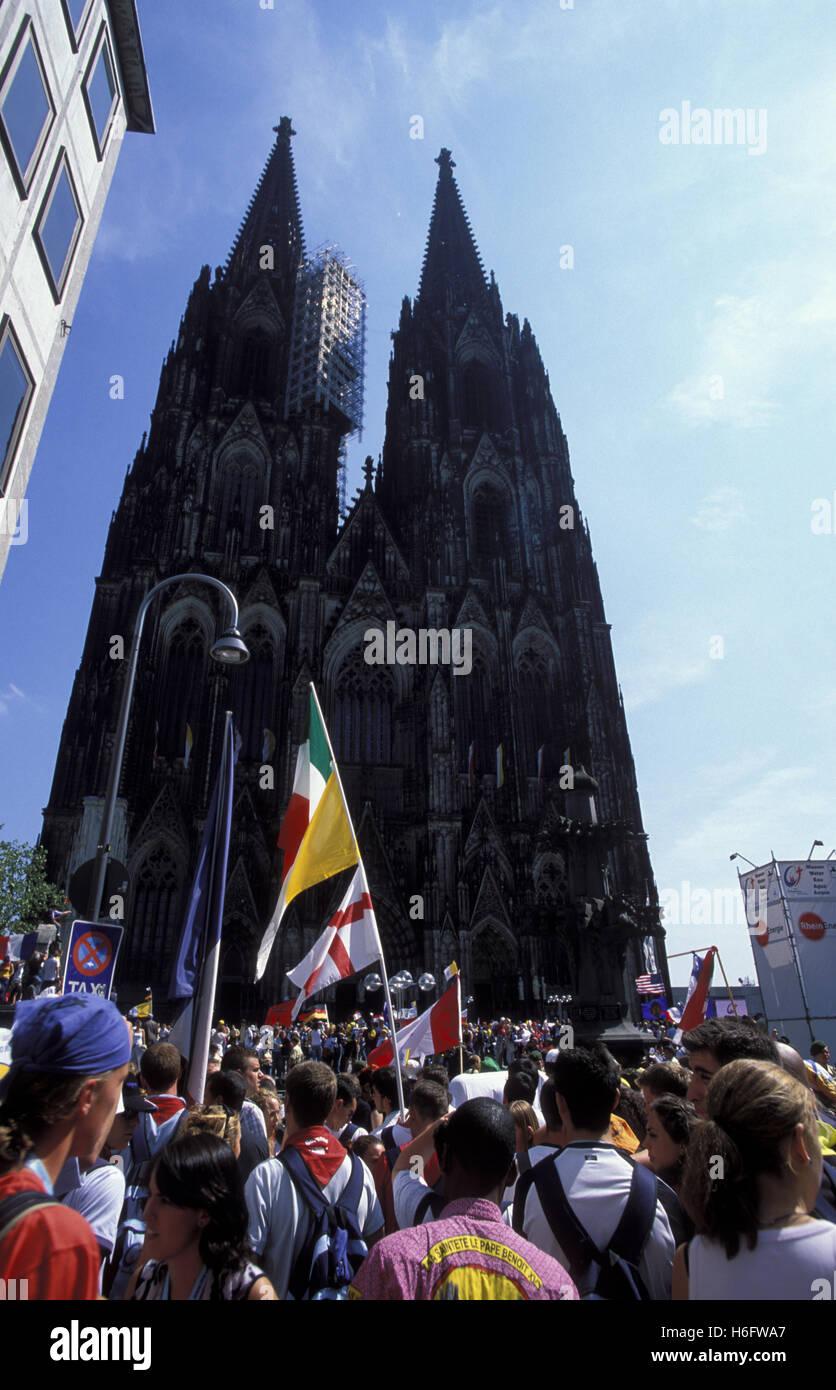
column 322, row 1151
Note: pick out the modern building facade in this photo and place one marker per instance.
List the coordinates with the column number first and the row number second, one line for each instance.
column 494, row 798
column 72, row 81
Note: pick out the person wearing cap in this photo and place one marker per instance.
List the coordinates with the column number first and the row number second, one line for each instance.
column 70, row 1056
column 97, row 1192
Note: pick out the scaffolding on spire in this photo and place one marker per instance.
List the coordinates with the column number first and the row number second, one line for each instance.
column 328, row 340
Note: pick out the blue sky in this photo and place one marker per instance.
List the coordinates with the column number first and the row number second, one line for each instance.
column 690, row 350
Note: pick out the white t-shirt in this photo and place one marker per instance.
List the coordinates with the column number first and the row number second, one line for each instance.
column 408, row 1191
column 280, row 1220
column 596, row 1179
column 471, row 1085
column 784, row 1264
column 524, row 1161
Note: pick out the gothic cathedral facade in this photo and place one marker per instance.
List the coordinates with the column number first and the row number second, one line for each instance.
column 496, row 807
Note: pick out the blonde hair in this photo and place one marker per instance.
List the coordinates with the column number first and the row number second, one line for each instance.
column 524, row 1118
column 753, row 1109
column 212, row 1119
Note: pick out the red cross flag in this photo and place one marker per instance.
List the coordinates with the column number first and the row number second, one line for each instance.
column 349, row 943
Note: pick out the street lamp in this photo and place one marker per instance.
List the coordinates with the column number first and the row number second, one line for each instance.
column 229, row 650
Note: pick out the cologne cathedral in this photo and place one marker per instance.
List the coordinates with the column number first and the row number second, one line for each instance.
column 496, row 808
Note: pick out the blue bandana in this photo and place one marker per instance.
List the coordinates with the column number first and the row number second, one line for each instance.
column 72, row 1034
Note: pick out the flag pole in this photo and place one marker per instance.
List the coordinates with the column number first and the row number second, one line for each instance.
column 203, row 1003
column 726, row 982
column 398, row 1077
column 461, row 1047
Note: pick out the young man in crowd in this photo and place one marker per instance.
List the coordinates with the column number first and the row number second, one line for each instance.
column 596, row 1179
column 341, row 1119
column 385, row 1097
column 427, row 1104
column 280, row 1219
column 714, row 1043
column 160, row 1071
column 467, row 1253
column 245, row 1061
column 70, row 1056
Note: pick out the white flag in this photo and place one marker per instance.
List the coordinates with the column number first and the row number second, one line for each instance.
column 349, row 943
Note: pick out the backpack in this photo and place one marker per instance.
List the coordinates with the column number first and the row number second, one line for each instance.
column 335, row 1249
column 20, row 1204
column 612, row 1273
column 147, row 1141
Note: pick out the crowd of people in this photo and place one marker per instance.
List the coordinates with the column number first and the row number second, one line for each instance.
column 518, row 1169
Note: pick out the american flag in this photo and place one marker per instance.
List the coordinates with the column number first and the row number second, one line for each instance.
column 650, row 984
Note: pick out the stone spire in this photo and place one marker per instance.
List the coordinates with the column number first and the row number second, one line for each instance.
column 451, row 258
column 273, row 217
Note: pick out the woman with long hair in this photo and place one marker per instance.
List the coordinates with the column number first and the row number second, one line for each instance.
column 196, row 1228
column 670, row 1121
column 751, row 1180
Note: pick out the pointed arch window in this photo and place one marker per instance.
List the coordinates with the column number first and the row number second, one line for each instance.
column 240, row 497
column 254, row 707
column 183, row 688
column 489, row 527
column 155, row 916
column 474, row 719
column 479, row 397
column 536, row 704
column 254, row 373
column 364, row 715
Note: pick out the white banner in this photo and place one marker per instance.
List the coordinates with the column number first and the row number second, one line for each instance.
column 791, row 903
column 810, row 893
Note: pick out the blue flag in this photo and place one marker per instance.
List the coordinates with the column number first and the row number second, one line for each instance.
column 195, row 971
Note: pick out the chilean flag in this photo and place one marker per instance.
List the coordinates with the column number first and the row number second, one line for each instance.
column 694, row 1011
column 434, row 1031
column 349, row 943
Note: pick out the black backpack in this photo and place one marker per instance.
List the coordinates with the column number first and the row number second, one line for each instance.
column 14, row 1208
column 612, row 1273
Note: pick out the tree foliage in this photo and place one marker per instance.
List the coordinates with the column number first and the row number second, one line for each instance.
column 26, row 895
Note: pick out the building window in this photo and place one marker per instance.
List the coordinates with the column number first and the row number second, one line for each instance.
column 255, row 713
column 489, row 527
column 75, row 12
column 26, row 109
column 101, row 93
column 16, row 387
column 59, row 227
column 363, row 719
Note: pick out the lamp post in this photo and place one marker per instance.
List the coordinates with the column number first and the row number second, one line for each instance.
column 229, row 650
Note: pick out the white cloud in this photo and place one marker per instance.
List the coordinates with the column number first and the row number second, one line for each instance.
column 12, row 696
column 722, row 509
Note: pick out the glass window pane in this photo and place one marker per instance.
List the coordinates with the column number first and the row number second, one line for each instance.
column 75, row 9
column 14, row 386
column 58, row 227
column 26, row 108
column 101, row 90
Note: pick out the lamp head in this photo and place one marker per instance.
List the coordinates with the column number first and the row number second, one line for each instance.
column 230, row 649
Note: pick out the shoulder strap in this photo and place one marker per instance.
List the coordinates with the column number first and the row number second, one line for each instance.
column 521, row 1191
column 348, row 1133
column 391, row 1147
column 20, row 1204
column 577, row 1246
column 305, row 1185
column 637, row 1219
column 432, row 1202
column 523, row 1161
column 349, row 1198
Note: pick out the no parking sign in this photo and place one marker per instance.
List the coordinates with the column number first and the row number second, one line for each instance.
column 91, row 958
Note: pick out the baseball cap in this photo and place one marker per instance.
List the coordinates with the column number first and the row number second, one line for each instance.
column 133, row 1102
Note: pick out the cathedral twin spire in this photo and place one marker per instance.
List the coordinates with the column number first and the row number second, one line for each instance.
column 273, row 217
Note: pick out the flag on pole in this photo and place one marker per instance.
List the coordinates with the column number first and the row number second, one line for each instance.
column 471, row 766
column 146, row 1008
column 349, row 943
column 195, row 972
column 540, row 756
column 434, row 1031
column 268, row 744
column 451, row 971
column 702, row 969
column 316, row 834
column 500, row 768
column 189, row 745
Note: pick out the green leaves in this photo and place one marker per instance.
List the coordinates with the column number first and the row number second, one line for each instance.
column 26, row 896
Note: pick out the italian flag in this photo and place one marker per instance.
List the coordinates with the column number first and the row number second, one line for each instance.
column 316, row 834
